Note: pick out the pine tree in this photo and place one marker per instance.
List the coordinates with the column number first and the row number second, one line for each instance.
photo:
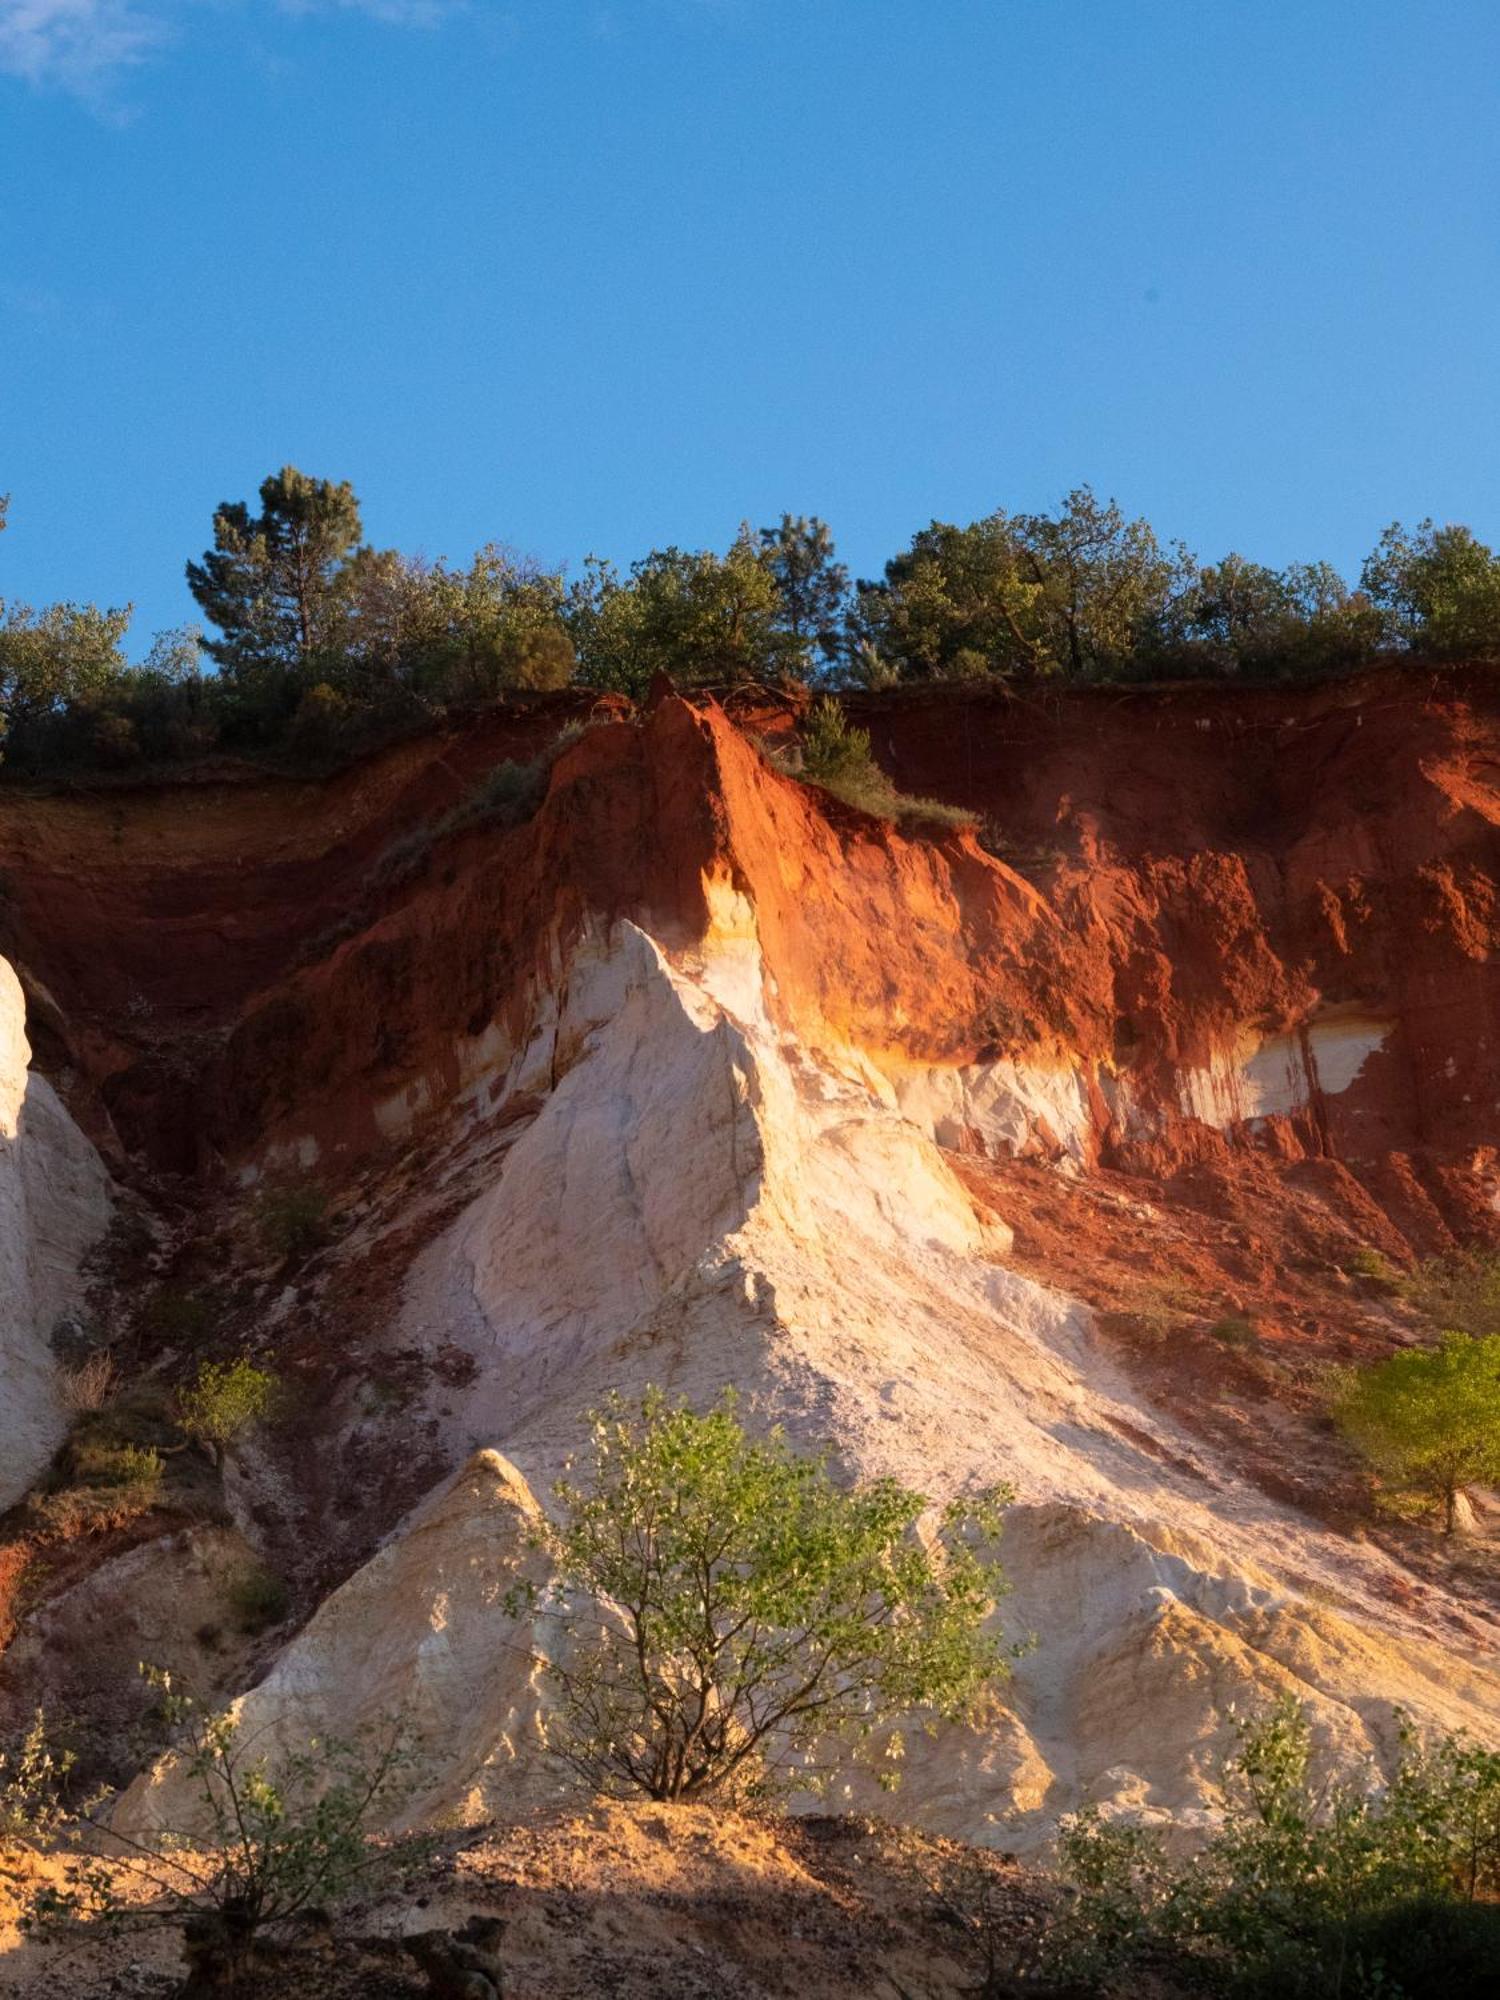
column 271, row 582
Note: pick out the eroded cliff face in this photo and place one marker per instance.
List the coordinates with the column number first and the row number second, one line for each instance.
column 947, row 1150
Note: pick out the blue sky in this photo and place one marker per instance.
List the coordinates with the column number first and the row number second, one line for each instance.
column 602, row 274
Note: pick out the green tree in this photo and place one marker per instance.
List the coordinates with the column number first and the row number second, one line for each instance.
column 1239, row 617
column 1073, row 592
column 1439, row 588
column 751, row 1608
column 273, row 582
column 1427, row 1420
column 1302, row 1874
column 699, row 618
column 812, row 584
column 51, row 659
column 470, row 634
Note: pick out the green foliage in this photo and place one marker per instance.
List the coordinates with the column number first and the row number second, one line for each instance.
column 273, row 582
column 834, row 754
column 1459, row 1292
column 269, row 1842
column 292, row 1217
column 1289, row 1895
column 699, row 618
column 32, row 1777
column 812, row 586
column 258, row 1598
column 62, row 656
column 105, row 1479
column 1022, row 594
column 326, row 645
column 1376, row 1268
column 443, row 635
column 1233, row 1332
column 752, row 1609
column 1427, row 1420
column 1239, row 618
column 224, row 1400
column 1439, row 588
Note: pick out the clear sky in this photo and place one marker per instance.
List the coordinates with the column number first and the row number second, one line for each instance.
column 602, row 274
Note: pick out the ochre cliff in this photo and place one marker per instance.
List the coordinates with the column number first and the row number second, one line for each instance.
column 951, row 1148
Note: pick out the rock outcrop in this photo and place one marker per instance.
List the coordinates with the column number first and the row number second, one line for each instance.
column 54, row 1207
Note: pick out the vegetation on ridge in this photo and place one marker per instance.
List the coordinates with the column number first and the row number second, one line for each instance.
column 319, row 641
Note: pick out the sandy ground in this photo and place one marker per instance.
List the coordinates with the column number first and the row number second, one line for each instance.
column 636, row 1902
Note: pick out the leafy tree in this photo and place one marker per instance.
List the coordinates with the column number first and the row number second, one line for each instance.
column 1068, row 593
column 752, row 1608
column 273, row 582
column 1239, row 617
column 224, row 1400
column 1440, row 590
column 699, row 618
column 61, row 654
column 1428, row 1419
column 813, row 586
column 470, row 634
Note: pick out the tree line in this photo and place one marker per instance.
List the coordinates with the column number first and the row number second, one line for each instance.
column 314, row 640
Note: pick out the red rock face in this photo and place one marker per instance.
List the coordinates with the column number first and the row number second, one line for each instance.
column 1166, row 886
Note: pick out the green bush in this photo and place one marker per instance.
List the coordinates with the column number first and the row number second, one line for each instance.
column 837, row 756
column 223, row 1401
column 1296, row 1892
column 269, row 1845
column 1233, row 1332
column 258, row 1598
column 752, row 1611
column 1376, row 1268
column 32, row 1776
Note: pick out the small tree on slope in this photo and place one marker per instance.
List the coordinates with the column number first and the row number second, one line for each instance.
column 1428, row 1419
column 752, row 1609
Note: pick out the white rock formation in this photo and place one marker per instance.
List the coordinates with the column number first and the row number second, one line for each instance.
column 54, row 1205
column 703, row 1201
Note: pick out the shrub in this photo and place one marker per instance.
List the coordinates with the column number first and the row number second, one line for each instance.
column 86, row 1388
column 1376, row 1269
column 1289, row 1896
column 271, row 1844
column 752, row 1609
column 1427, row 1420
column 225, row 1399
column 837, row 756
column 258, row 1598
column 292, row 1217
column 1233, row 1332
column 32, row 1775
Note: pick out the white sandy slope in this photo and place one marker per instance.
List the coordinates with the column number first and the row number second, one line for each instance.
column 54, row 1206
column 702, row 1201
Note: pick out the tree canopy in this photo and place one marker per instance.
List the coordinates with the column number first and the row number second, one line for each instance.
column 319, row 641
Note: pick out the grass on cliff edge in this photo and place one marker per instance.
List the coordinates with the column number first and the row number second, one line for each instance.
column 837, row 757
